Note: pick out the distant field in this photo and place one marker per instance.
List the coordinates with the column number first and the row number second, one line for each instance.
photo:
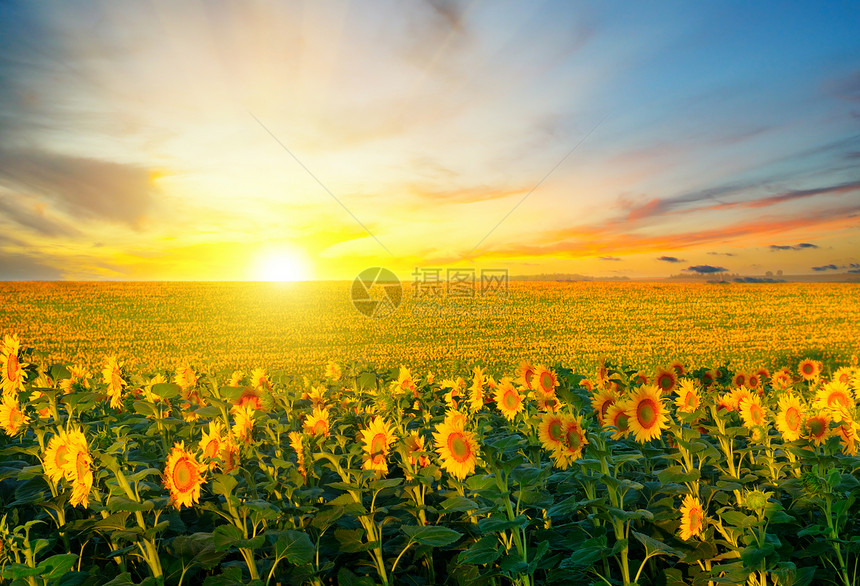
column 297, row 327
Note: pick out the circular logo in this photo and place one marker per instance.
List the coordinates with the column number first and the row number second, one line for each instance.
column 376, row 292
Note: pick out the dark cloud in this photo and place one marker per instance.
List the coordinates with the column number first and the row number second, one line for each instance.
column 706, row 269
column 89, row 187
column 25, row 267
column 609, row 258
column 33, row 216
column 722, row 253
column 801, row 246
column 830, row 267
column 854, row 271
column 671, row 259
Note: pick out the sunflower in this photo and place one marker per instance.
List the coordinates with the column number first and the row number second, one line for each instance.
column 665, row 380
column 56, row 456
column 843, row 375
column 692, row 517
column 12, row 374
column 601, row 401
column 817, row 428
column 78, row 470
column 740, row 396
column 763, row 374
column 183, row 476
column 243, row 423
column 185, row 377
column 546, row 402
column 789, row 420
column 456, row 391
column 405, row 382
column 456, row 447
column 377, row 439
column 688, row 397
column 236, row 378
column 573, row 442
column 477, row 398
column 640, row 377
column 646, row 413
column 112, row 377
column 317, row 423
column 316, row 396
column 781, row 380
column 753, row 412
column 836, row 397
column 848, row 434
column 678, row 367
column 229, row 455
column 526, row 370
column 332, row 371
column 508, row 399
column 212, row 443
column 12, row 419
column 709, row 377
column 298, row 445
column 740, row 379
column 617, row 417
column 260, row 380
column 551, row 431
column 544, row 379
column 414, row 444
column 753, row 381
column 726, row 402
column 78, row 381
column 809, row 369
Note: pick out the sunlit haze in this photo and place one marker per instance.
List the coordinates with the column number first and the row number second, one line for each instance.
column 310, row 140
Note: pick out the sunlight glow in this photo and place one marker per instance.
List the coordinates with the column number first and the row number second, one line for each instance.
column 282, row 265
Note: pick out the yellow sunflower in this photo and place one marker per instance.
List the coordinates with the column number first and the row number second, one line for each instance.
column 848, row 435
column 316, row 396
column 665, row 380
column 453, row 396
column 56, row 456
column 526, row 371
column 183, row 476
column 692, row 517
column 477, row 398
column 185, row 377
column 740, row 379
column 617, row 417
column 781, row 380
column 647, row 413
column 457, row 448
column 546, row 402
column 78, row 381
column 260, row 380
column 551, row 431
column 377, row 439
column 836, row 397
column 753, row 412
column 843, row 375
column 405, row 382
column 298, row 445
column 573, row 442
column 229, row 455
column 740, row 396
column 12, row 375
column 112, row 377
column 817, row 428
column 688, row 397
column 79, row 470
column 809, row 369
column 544, row 379
column 243, row 423
column 212, row 443
column 12, row 419
column 236, row 378
column 317, row 423
column 789, row 420
column 508, row 399
column 709, row 377
column 601, row 401
column 414, row 444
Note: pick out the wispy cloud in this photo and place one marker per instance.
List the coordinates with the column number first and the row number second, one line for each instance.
column 612, row 258
column 706, row 269
column 801, row 246
column 830, row 267
column 671, row 259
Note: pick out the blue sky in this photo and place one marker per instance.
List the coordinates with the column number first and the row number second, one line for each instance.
column 310, row 140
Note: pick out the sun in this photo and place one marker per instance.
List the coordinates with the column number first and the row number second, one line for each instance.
column 281, row 265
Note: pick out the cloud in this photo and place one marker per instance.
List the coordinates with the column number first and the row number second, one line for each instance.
column 32, row 215
column 830, row 267
column 82, row 186
column 671, row 259
column 722, row 254
column 801, row 246
column 608, row 258
column 26, row 267
column 706, row 269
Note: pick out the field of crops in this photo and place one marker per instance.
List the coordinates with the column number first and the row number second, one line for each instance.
column 230, row 433
column 298, row 327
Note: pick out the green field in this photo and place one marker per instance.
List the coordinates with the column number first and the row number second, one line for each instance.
column 298, row 327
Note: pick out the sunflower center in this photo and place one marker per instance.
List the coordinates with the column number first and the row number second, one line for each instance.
column 527, row 375
column 646, row 413
column 837, row 399
column 546, row 381
column 695, row 520
column 555, row 430
column 16, row 418
column 320, row 427
column 573, row 438
column 808, row 369
column 665, row 382
column 459, row 447
column 377, row 446
column 184, row 475
column 12, row 367
column 82, row 465
column 622, row 421
column 792, row 418
column 510, row 400
column 690, row 400
column 816, row 427
column 62, row 454
column 212, row 448
column 756, row 414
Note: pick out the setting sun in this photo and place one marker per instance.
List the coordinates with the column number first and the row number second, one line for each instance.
column 281, row 265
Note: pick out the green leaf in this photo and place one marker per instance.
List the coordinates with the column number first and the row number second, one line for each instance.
column 654, row 545
column 499, row 524
column 197, row 549
column 52, row 568
column 227, row 536
column 678, row 475
column 122, row 503
column 431, row 535
column 296, row 546
column 458, row 503
column 484, row 551
column 753, row 556
column 224, row 484
column 166, row 390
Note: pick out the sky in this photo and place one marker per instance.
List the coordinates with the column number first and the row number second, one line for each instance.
column 310, row 140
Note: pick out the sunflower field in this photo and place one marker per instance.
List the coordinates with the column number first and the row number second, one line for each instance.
column 677, row 475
